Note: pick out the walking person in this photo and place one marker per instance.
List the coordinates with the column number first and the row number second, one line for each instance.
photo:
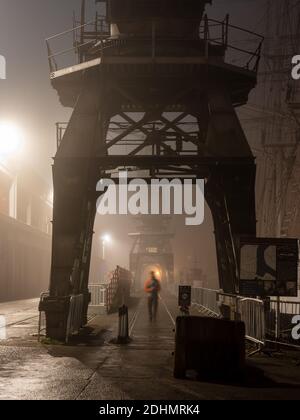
column 152, row 288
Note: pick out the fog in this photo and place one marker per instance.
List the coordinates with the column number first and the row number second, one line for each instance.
column 28, row 100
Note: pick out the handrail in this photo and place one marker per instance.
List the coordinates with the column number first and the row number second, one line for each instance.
column 69, row 31
column 114, row 291
column 248, row 310
column 69, row 49
column 261, row 323
column 207, row 299
column 252, row 312
column 206, row 27
column 239, row 28
column 74, row 322
column 40, row 326
column 286, row 301
column 244, row 299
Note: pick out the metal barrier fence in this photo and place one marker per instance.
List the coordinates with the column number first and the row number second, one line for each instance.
column 75, row 315
column 42, row 317
column 286, row 307
column 98, row 296
column 114, row 292
column 103, row 296
column 279, row 320
column 252, row 313
column 262, row 323
column 112, row 289
column 206, row 299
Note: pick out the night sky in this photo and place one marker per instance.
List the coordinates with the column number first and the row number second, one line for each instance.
column 27, row 99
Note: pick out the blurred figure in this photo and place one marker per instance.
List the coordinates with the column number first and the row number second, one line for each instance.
column 152, row 288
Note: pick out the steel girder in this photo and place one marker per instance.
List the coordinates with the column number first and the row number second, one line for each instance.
column 218, row 152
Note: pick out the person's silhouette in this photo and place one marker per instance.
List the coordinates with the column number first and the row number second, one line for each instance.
column 152, row 288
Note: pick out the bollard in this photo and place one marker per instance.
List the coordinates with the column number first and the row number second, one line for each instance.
column 123, row 336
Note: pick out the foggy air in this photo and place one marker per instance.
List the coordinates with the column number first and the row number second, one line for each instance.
column 176, row 277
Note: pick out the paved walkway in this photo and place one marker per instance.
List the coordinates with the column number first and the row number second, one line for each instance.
column 91, row 367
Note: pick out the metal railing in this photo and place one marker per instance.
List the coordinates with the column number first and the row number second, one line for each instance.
column 98, row 294
column 112, row 289
column 279, row 323
column 117, row 288
column 42, row 317
column 74, row 322
column 263, row 324
column 231, row 39
column 238, row 46
column 288, row 307
column 98, row 298
column 73, row 42
column 252, row 313
column 206, row 299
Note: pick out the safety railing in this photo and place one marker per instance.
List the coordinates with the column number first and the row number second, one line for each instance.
column 279, row 322
column 112, row 289
column 114, row 292
column 287, row 307
column 252, row 313
column 98, row 294
column 264, row 322
column 238, row 46
column 67, row 48
column 42, row 318
column 98, row 297
column 228, row 305
column 206, row 299
column 74, row 322
column 241, row 47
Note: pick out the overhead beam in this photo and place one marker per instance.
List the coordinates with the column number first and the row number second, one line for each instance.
column 163, row 162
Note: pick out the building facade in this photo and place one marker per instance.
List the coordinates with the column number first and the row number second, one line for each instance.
column 25, row 233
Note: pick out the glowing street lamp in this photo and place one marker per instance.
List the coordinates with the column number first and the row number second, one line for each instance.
column 10, row 139
column 106, row 239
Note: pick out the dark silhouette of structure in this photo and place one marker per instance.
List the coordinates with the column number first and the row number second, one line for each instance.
column 152, row 249
column 153, row 91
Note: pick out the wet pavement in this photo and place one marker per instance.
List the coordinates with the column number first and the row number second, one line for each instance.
column 91, row 367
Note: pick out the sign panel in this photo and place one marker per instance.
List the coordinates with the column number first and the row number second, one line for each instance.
column 185, row 296
column 268, row 267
